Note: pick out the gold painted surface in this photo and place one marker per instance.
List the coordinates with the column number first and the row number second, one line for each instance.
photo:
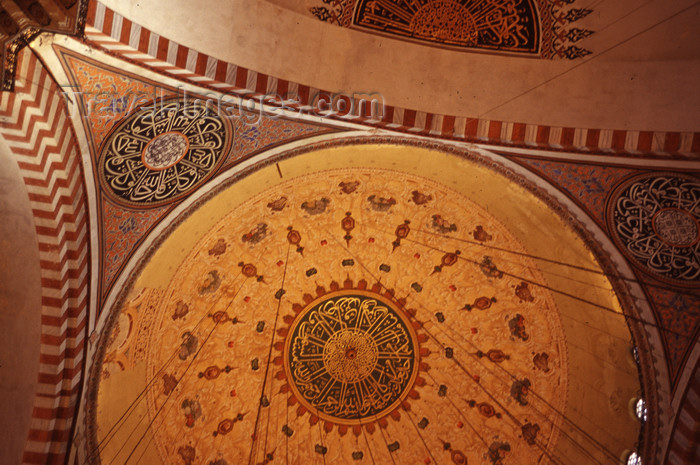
column 481, row 314
column 467, row 400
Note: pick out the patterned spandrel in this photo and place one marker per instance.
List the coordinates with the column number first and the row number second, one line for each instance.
column 654, row 220
column 162, row 152
column 351, row 356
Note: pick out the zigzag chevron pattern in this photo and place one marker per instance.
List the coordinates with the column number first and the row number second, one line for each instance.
column 684, row 448
column 40, row 135
column 118, row 35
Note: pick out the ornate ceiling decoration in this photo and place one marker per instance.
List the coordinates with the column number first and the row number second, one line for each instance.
column 161, row 153
column 655, row 220
column 23, row 20
column 351, row 356
column 414, row 121
column 526, row 27
column 142, row 171
column 605, row 191
column 337, row 316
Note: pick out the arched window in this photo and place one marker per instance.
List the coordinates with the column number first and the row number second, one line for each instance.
column 634, row 459
column 640, row 409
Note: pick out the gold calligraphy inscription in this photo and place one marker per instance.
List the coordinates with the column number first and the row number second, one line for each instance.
column 351, row 355
column 507, row 25
column 162, row 152
column 656, row 223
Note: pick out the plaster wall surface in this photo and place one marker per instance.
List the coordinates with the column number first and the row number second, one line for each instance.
column 20, row 310
column 641, row 75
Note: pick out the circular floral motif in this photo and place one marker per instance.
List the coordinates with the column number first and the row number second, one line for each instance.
column 447, row 21
column 654, row 220
column 165, row 150
column 676, row 227
column 160, row 153
column 351, row 355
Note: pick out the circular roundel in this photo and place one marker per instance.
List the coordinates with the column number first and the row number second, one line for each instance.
column 165, row 150
column 161, row 153
column 350, row 355
column 655, row 220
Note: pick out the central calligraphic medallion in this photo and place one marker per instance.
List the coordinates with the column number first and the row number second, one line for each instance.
column 351, row 355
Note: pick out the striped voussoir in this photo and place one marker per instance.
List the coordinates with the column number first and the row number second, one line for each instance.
column 116, row 34
column 37, row 130
column 684, row 448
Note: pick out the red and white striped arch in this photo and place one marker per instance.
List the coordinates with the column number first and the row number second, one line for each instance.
column 40, row 135
column 118, row 35
column 684, row 447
